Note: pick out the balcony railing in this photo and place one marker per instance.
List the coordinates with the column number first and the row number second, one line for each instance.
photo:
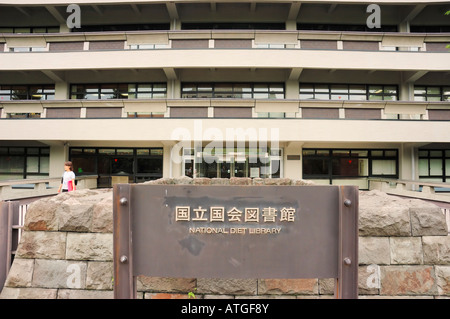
column 225, row 39
column 229, row 108
column 27, row 188
column 417, row 189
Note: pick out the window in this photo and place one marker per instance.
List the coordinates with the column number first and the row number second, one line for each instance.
column 432, row 93
column 233, row 26
column 233, row 90
column 274, row 115
column 349, row 163
column 148, row 46
column 23, row 162
column 345, row 27
column 353, row 92
column 27, row 92
column 139, row 164
column 235, row 162
column 122, row 27
column 434, row 165
column 29, row 29
column 145, row 114
column 27, row 49
column 118, row 91
column 24, row 115
column 270, row 46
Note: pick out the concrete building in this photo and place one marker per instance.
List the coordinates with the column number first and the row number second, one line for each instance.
column 338, row 92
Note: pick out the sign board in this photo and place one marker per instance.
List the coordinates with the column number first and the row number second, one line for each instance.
column 235, row 232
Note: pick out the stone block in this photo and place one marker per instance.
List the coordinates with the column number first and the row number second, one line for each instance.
column 89, row 246
column 74, row 215
column 102, row 216
column 226, row 286
column 443, row 280
column 183, row 180
column 160, row 284
column 383, row 215
column 42, row 244
column 201, row 181
column 326, row 286
column 21, row 273
column 288, row 286
column 99, row 275
column 220, row 181
column 408, row 280
column 59, row 274
column 428, row 220
column 369, row 280
column 436, row 250
column 406, row 250
column 373, row 250
column 277, row 181
column 302, row 182
column 28, row 293
column 41, row 215
column 84, row 294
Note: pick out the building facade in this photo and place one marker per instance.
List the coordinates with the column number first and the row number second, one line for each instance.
column 338, row 92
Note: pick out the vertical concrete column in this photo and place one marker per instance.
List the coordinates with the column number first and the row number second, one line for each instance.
column 292, row 89
column 171, row 166
column 58, row 155
column 63, row 28
column 293, row 167
column 61, row 91
column 406, row 165
column 175, row 24
column 173, row 89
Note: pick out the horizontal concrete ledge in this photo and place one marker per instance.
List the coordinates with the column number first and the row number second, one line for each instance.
column 226, row 58
column 169, row 129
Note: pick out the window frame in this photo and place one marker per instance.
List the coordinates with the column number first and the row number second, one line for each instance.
column 326, row 90
column 99, row 89
column 239, row 90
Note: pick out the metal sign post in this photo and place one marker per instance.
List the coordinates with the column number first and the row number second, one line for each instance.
column 235, row 232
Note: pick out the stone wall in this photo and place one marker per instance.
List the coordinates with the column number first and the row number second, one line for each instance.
column 66, row 252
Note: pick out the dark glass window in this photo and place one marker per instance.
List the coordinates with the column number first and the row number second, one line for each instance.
column 345, row 27
column 23, row 162
column 29, row 29
column 353, row 92
column 430, row 28
column 139, row 164
column 233, row 90
column 122, row 27
column 27, row 92
column 432, row 93
column 107, row 91
column 233, row 26
column 349, row 163
column 434, row 165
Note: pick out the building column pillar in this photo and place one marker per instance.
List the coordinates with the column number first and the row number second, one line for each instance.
column 407, row 163
column 59, row 153
column 293, row 160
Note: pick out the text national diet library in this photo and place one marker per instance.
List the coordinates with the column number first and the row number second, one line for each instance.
column 249, row 220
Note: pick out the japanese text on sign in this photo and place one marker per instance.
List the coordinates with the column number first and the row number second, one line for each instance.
column 251, row 216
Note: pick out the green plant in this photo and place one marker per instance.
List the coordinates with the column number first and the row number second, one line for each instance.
column 191, row 294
